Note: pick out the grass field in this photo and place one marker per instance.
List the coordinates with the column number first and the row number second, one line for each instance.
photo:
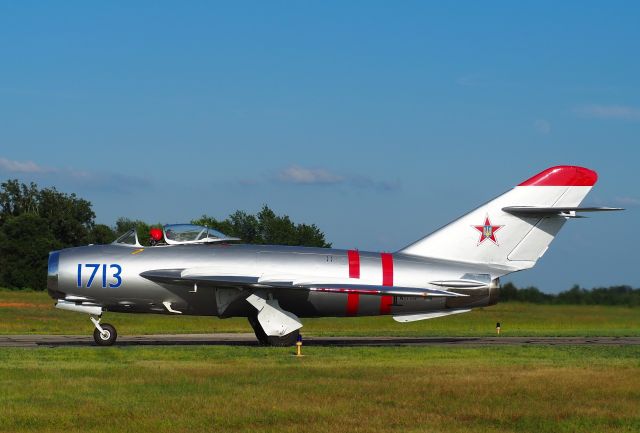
column 33, row 313
column 252, row 389
column 368, row 389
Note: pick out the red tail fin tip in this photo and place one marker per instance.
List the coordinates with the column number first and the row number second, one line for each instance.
column 563, row 175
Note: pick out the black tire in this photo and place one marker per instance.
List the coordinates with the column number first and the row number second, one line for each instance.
column 284, row 341
column 108, row 338
column 257, row 329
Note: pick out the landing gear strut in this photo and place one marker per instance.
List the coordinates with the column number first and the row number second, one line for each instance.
column 105, row 334
column 273, row 325
column 266, row 340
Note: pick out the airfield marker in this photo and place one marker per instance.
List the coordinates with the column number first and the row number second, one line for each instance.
column 498, row 328
column 299, row 345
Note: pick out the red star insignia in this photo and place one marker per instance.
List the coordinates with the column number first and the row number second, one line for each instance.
column 487, row 231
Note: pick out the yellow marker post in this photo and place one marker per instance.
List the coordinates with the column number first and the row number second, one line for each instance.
column 299, row 346
column 498, row 328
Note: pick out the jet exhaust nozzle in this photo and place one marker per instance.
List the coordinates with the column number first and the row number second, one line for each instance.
column 494, row 291
column 482, row 296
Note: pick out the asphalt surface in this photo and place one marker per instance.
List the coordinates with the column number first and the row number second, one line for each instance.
column 250, row 340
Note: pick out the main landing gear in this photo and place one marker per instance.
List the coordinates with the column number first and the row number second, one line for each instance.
column 266, row 340
column 105, row 334
column 272, row 325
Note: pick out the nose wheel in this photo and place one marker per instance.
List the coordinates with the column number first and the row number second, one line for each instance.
column 105, row 334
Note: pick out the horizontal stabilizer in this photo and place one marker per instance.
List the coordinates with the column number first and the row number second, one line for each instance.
column 551, row 211
column 424, row 316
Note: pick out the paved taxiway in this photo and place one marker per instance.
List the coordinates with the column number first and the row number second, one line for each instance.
column 250, row 340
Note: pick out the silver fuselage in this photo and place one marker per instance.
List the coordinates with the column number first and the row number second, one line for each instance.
column 117, row 284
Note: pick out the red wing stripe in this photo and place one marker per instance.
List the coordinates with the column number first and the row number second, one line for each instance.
column 353, row 299
column 354, row 263
column 387, row 269
column 385, row 304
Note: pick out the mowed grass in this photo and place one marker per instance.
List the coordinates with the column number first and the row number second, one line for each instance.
column 27, row 312
column 381, row 389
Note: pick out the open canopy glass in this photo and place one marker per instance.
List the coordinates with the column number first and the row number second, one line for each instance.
column 190, row 234
column 178, row 234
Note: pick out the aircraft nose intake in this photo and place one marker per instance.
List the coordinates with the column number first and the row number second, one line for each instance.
column 52, row 272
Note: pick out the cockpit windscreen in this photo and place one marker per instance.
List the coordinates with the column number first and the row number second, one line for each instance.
column 189, row 233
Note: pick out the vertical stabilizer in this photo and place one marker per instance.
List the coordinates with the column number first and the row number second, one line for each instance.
column 489, row 235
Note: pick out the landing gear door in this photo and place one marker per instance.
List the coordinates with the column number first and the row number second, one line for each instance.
column 225, row 297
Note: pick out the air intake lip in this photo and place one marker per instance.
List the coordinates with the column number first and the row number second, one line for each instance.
column 52, row 271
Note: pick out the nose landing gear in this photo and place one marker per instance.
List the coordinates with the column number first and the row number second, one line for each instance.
column 105, row 334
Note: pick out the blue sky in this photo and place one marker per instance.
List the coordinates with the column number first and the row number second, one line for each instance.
column 378, row 121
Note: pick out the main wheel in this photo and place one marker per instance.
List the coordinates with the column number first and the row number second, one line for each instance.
column 107, row 338
column 262, row 337
column 284, row 341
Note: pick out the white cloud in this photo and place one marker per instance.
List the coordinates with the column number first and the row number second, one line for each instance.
column 30, row 167
column 542, row 126
column 303, row 175
column 298, row 175
column 88, row 179
column 22, row 166
column 622, row 112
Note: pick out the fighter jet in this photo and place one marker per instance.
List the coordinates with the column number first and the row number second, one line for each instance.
column 193, row 270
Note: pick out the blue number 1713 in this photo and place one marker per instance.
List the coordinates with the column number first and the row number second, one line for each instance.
column 110, row 274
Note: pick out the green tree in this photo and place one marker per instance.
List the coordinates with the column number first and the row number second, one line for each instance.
column 508, row 292
column 615, row 295
column 33, row 222
column 70, row 218
column 101, row 234
column 266, row 228
column 25, row 241
column 17, row 198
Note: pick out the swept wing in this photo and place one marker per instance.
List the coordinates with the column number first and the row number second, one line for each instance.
column 195, row 276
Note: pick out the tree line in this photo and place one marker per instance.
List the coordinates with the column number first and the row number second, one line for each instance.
column 614, row 295
column 35, row 221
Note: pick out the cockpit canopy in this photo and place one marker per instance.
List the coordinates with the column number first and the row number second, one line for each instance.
column 179, row 234
column 189, row 234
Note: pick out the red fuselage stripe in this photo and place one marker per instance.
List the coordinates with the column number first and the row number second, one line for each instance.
column 385, row 304
column 354, row 263
column 353, row 299
column 387, row 280
column 387, row 269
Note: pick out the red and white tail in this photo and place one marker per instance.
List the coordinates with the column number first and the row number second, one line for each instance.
column 514, row 230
